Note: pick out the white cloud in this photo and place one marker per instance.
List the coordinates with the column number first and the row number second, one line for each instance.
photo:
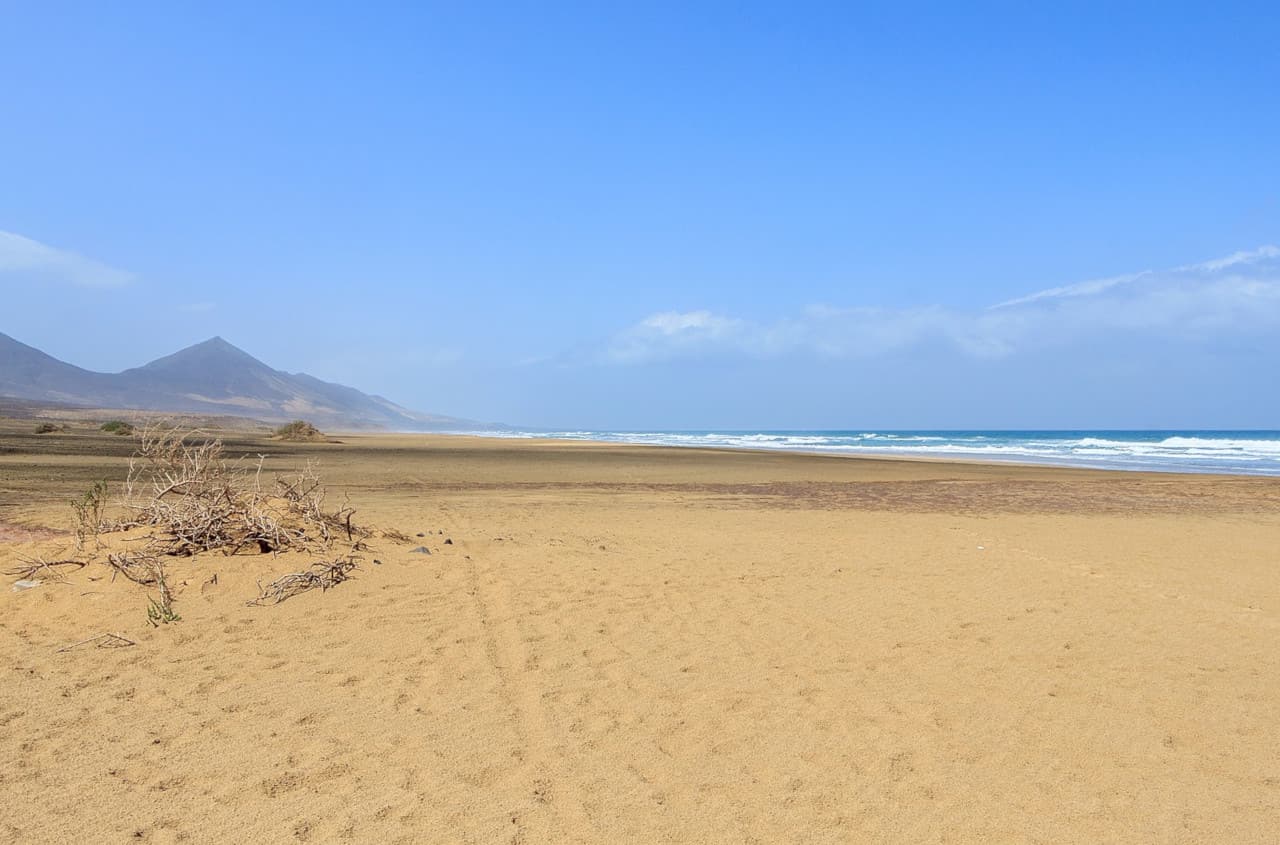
column 672, row 323
column 19, row 255
column 671, row 333
column 1225, row 299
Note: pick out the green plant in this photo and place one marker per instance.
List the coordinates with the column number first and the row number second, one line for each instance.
column 161, row 612
column 89, row 510
column 119, row 427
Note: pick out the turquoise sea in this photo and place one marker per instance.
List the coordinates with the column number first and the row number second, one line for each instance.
column 1241, row 452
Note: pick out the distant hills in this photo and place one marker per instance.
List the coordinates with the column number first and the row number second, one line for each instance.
column 212, row 377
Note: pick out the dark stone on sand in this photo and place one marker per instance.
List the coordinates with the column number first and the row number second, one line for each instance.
column 448, row 542
column 421, row 550
column 420, row 534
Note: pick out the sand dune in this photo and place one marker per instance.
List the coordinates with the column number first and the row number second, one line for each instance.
column 626, row 644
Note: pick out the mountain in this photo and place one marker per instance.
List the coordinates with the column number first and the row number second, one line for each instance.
column 28, row 373
column 212, row 377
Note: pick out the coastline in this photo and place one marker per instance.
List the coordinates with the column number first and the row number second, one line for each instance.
column 884, row 457
column 1214, row 452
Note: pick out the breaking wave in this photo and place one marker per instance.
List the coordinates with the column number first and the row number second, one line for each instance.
column 1241, row 452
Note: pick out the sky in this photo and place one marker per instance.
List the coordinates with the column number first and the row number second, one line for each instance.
column 663, row 216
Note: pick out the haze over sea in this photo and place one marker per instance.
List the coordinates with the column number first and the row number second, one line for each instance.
column 1236, row 452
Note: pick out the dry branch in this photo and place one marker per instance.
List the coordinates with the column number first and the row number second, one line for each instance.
column 322, row 575
column 138, row 567
column 33, row 566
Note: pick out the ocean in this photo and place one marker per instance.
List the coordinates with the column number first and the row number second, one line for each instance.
column 1237, row 452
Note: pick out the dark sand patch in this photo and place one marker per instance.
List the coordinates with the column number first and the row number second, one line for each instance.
column 25, row 534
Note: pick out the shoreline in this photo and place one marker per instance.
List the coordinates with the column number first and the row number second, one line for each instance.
column 33, row 505
column 888, row 457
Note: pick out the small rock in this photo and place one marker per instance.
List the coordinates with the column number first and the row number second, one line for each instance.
column 421, row 550
column 448, row 542
column 420, row 534
column 377, row 562
column 24, row 584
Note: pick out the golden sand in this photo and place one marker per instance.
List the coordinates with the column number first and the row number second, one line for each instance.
column 627, row 644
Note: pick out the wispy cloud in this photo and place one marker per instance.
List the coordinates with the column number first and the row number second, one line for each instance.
column 32, row 259
column 1096, row 286
column 1228, row 298
column 1246, row 257
column 1088, row 288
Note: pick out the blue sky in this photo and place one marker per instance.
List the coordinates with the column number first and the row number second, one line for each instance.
column 663, row 216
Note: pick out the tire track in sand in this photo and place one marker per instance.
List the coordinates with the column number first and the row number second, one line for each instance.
column 556, row 791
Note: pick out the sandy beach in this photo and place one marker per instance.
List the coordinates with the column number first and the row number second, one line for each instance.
column 614, row 644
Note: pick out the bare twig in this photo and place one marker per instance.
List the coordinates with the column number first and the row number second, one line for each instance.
column 108, row 641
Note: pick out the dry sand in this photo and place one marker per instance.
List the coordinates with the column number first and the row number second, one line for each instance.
column 651, row 645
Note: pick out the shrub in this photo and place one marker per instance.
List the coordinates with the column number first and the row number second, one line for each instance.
column 299, row 431
column 119, row 427
column 47, row 428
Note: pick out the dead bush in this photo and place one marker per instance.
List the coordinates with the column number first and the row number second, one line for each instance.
column 196, row 500
column 188, row 498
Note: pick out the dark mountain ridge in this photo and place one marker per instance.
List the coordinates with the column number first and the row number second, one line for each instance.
column 211, row 377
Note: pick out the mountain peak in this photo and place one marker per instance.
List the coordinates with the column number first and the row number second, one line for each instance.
column 217, row 342
column 209, row 353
